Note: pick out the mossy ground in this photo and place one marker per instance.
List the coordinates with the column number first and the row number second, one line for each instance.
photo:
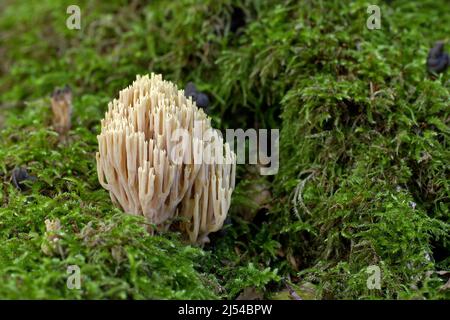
column 364, row 175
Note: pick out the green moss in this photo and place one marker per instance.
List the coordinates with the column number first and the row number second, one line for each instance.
column 370, row 174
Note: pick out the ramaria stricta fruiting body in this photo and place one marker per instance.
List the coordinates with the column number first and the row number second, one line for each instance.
column 159, row 157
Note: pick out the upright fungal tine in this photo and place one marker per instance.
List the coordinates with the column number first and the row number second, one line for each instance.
column 61, row 101
column 159, row 157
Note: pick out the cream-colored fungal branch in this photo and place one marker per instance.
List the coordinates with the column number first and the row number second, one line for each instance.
column 61, row 101
column 159, row 157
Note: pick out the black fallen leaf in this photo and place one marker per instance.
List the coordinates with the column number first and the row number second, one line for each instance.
column 190, row 90
column 200, row 98
column 437, row 60
column 19, row 176
column 238, row 19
